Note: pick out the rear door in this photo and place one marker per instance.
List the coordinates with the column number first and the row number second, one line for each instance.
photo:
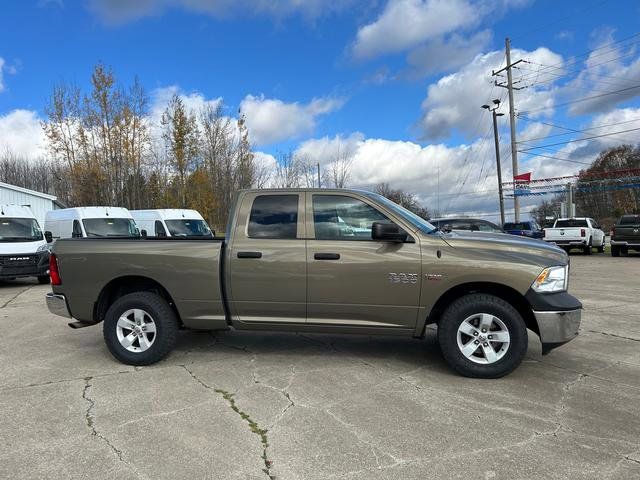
column 267, row 271
column 354, row 281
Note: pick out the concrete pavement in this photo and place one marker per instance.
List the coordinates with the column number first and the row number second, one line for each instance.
column 257, row 405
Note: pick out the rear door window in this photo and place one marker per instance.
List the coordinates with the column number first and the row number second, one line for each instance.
column 159, row 229
column 274, row 216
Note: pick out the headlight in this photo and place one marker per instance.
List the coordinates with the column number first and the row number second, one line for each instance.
column 552, row 279
column 44, row 248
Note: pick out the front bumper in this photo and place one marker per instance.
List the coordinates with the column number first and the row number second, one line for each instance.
column 623, row 243
column 557, row 328
column 57, row 304
column 558, row 317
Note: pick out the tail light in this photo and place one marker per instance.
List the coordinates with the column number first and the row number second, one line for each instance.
column 583, row 233
column 54, row 274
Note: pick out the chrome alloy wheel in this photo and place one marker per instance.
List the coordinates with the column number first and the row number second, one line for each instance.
column 136, row 330
column 483, row 338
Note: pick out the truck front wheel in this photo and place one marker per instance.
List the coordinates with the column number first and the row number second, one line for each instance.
column 482, row 336
column 140, row 328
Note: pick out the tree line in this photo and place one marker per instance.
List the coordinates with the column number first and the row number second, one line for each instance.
column 105, row 147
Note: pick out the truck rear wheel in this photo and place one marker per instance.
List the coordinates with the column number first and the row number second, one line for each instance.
column 140, row 328
column 43, row 279
column 615, row 251
column 482, row 336
column 588, row 248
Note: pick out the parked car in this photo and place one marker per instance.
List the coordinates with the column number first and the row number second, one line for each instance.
column 469, row 224
column 90, row 222
column 171, row 222
column 529, row 229
column 23, row 250
column 326, row 261
column 625, row 235
column 582, row 233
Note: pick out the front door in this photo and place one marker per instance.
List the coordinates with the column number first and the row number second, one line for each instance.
column 268, row 281
column 353, row 280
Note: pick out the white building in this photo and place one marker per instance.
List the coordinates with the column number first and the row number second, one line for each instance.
column 39, row 203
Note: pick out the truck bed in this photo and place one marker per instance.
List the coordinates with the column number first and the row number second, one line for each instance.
column 194, row 288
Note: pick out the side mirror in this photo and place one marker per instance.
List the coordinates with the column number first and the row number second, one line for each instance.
column 388, row 232
column 48, row 236
column 143, row 233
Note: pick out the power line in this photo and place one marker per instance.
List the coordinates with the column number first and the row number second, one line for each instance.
column 615, row 92
column 554, row 158
column 570, row 130
column 581, row 139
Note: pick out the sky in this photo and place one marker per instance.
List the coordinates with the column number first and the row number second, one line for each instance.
column 396, row 84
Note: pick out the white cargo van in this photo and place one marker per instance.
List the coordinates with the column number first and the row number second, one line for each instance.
column 23, row 250
column 171, row 222
column 90, row 222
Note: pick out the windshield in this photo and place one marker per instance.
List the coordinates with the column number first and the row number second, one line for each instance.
column 188, row 228
column 418, row 222
column 19, row 230
column 110, row 227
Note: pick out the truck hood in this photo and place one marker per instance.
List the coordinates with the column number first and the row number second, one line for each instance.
column 524, row 249
column 9, row 248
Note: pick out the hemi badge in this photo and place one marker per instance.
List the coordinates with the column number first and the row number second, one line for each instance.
column 433, row 276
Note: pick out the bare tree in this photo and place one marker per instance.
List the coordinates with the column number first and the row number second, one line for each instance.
column 338, row 170
column 405, row 199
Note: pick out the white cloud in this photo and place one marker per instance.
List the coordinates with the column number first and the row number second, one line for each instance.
column 606, row 69
column 271, row 120
column 21, row 133
column 453, row 102
column 407, row 23
column 442, row 55
column 118, row 11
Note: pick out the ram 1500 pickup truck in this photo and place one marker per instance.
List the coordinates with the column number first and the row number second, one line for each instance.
column 582, row 233
column 625, row 235
column 326, row 261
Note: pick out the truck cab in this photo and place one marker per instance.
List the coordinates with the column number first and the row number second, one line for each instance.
column 23, row 249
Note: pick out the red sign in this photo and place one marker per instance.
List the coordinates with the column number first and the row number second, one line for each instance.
column 523, row 177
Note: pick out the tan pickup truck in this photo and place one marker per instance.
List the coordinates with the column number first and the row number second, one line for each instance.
column 325, row 261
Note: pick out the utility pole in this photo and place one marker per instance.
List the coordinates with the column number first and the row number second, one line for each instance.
column 318, row 174
column 512, row 117
column 495, row 115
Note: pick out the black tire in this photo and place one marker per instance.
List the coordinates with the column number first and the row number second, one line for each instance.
column 470, row 305
column 601, row 248
column 43, row 279
column 588, row 248
column 615, row 251
column 166, row 323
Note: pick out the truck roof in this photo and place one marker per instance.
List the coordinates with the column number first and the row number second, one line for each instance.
column 87, row 212
column 15, row 211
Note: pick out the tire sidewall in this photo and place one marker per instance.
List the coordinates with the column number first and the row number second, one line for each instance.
column 471, row 305
column 165, row 321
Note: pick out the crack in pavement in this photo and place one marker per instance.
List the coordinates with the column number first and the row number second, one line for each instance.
column 64, row 380
column 614, row 335
column 16, row 296
column 90, row 421
column 253, row 425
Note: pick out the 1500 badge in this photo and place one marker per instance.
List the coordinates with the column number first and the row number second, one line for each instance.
column 403, row 277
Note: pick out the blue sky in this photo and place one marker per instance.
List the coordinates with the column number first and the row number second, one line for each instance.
column 397, row 83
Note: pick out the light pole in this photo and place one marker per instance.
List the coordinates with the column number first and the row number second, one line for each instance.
column 493, row 109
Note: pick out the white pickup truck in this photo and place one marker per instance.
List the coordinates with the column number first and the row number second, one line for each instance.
column 583, row 233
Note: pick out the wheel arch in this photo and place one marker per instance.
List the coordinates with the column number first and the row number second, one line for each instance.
column 505, row 292
column 118, row 287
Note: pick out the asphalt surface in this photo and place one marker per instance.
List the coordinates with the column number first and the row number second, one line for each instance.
column 252, row 405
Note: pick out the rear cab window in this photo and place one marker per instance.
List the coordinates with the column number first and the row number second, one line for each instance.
column 571, row 223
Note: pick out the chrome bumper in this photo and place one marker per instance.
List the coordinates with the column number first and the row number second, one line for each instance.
column 57, row 304
column 558, row 327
